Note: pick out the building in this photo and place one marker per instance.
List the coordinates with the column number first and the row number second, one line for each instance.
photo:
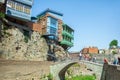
column 34, row 26
column 2, row 6
column 51, row 23
column 101, row 51
column 91, row 50
column 84, row 51
column 67, row 36
column 19, row 9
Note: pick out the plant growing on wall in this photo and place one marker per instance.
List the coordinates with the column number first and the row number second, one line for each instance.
column 2, row 15
column 26, row 36
column 50, row 77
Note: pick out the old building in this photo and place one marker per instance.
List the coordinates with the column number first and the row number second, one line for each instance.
column 101, row 51
column 2, row 6
column 51, row 23
column 19, row 9
column 84, row 50
column 67, row 36
column 34, row 26
column 91, row 50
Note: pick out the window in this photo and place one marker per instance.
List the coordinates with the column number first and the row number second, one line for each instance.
column 27, row 10
column 20, row 7
column 52, row 30
column 53, row 22
column 17, row 7
column 11, row 4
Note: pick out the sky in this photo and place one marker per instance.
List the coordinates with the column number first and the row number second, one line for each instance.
column 96, row 22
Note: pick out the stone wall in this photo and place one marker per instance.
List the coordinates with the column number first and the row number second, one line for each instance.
column 16, row 45
column 110, row 72
column 24, row 70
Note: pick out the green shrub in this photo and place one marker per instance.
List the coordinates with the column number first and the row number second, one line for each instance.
column 114, row 52
column 82, row 77
column 26, row 36
column 50, row 77
column 2, row 15
column 26, row 39
column 76, row 65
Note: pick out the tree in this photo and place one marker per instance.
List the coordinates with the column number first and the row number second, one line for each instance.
column 113, row 43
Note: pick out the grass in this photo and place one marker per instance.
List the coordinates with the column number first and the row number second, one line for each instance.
column 81, row 77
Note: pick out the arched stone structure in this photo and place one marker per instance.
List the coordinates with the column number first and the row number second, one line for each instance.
column 58, row 70
column 61, row 74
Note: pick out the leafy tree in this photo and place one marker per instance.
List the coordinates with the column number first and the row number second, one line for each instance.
column 113, row 43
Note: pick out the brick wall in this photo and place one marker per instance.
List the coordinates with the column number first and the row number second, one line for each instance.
column 85, row 50
column 43, row 22
column 90, row 50
column 35, row 27
column 60, row 29
column 93, row 50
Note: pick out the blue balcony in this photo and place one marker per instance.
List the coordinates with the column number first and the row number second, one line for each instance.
column 28, row 2
column 18, row 14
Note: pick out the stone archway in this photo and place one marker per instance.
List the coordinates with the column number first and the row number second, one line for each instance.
column 58, row 70
column 62, row 72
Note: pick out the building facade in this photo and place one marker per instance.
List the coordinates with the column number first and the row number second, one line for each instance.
column 67, row 36
column 91, row 50
column 19, row 9
column 84, row 50
column 2, row 6
column 51, row 23
column 101, row 51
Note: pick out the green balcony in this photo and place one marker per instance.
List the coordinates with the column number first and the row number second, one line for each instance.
column 65, row 42
column 67, row 33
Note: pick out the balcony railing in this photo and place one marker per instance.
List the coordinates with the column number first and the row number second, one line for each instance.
column 67, row 42
column 28, row 2
column 68, row 34
column 19, row 14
